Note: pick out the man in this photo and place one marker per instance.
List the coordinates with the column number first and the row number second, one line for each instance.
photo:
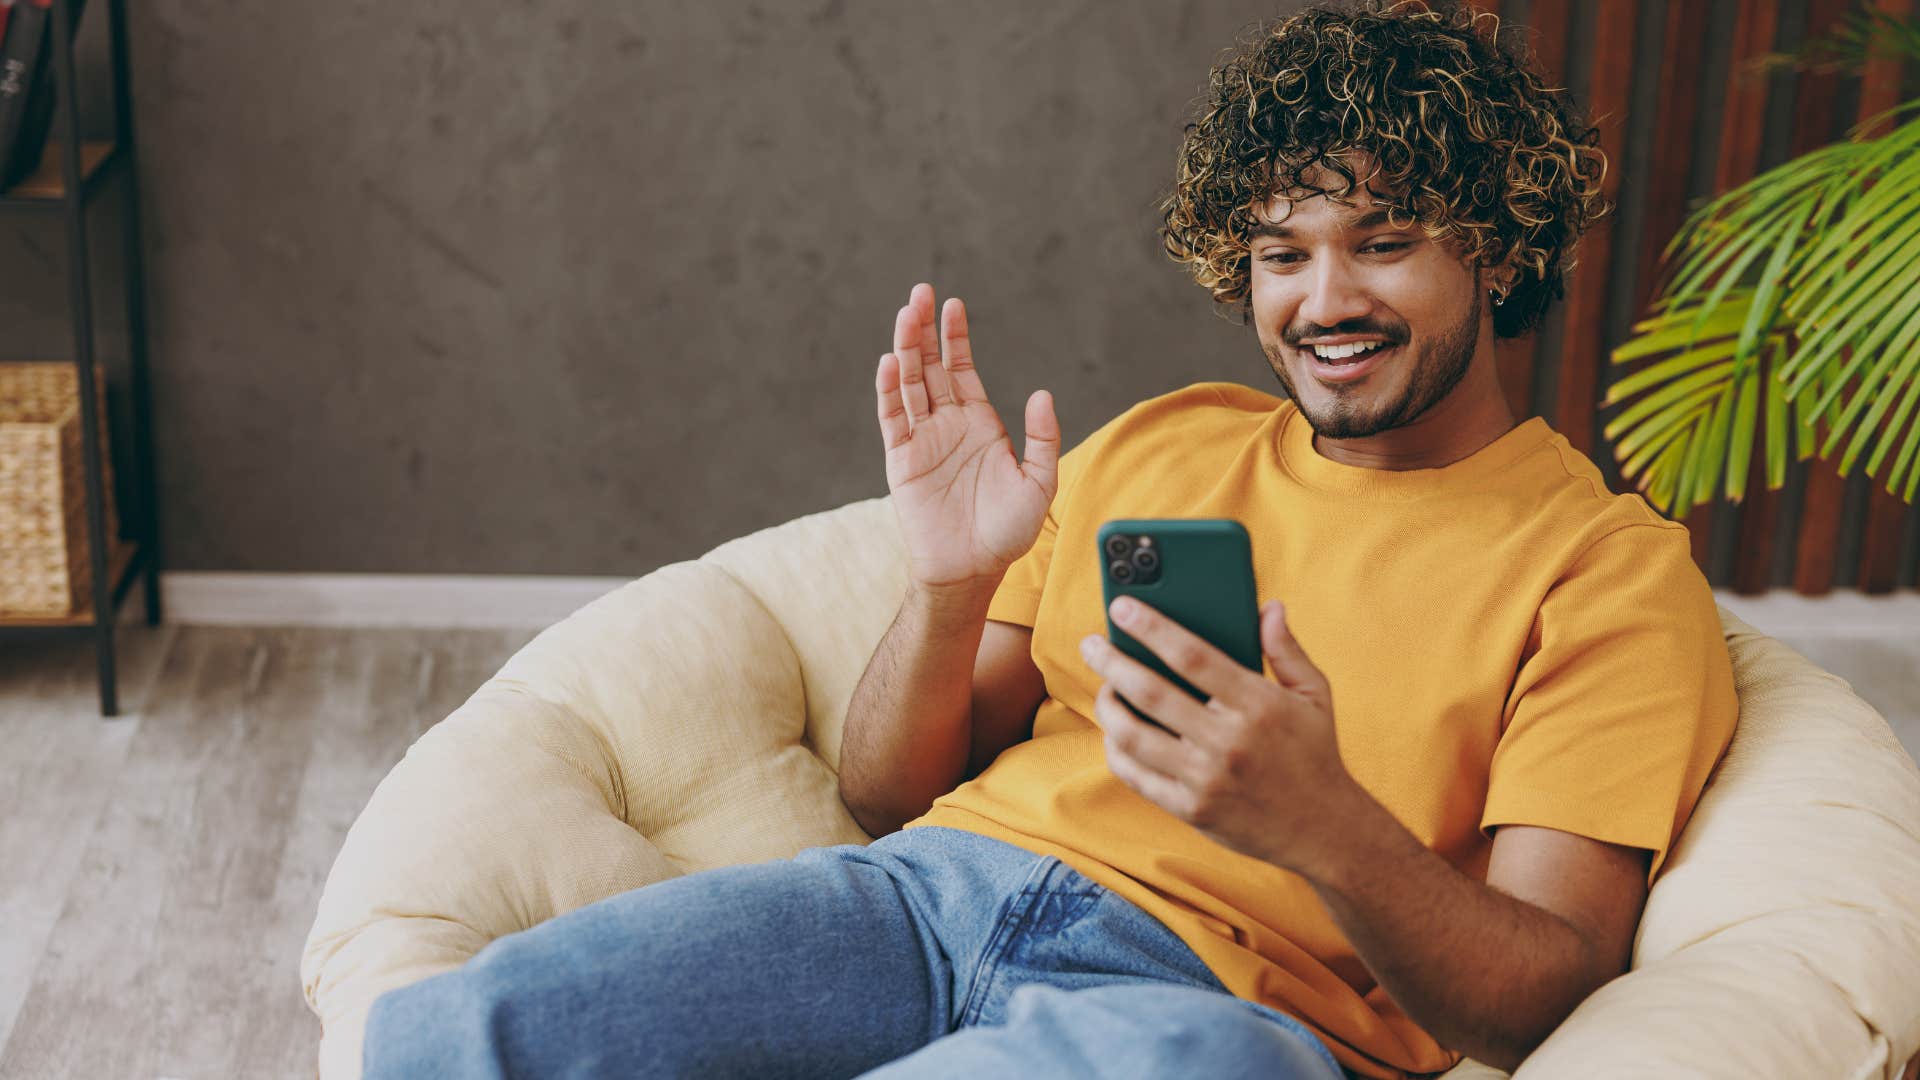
column 1492, row 694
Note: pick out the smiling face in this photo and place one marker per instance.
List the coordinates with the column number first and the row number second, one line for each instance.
column 1323, row 270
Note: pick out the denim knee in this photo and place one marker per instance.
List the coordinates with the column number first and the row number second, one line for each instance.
column 1176, row 1028
column 455, row 1023
column 438, row 1026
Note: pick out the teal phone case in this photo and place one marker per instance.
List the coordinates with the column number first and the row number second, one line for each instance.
column 1203, row 581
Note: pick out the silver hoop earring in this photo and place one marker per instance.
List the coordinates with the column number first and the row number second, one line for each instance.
column 1498, row 298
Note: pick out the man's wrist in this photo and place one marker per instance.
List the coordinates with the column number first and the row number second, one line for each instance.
column 953, row 601
column 1368, row 832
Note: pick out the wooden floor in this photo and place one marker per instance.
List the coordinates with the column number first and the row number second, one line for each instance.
column 159, row 870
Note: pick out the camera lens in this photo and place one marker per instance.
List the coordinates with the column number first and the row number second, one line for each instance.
column 1120, row 570
column 1117, row 545
column 1146, row 559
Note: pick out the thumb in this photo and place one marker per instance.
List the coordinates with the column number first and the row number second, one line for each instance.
column 1043, row 439
column 1290, row 663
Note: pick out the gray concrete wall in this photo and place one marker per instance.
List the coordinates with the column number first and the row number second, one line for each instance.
column 585, row 288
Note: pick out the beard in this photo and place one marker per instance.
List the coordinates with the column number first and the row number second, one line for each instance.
column 1437, row 367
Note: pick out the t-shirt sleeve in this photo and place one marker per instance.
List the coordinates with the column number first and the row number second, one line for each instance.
column 1624, row 701
column 1017, row 600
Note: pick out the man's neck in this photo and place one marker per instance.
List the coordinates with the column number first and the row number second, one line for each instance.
column 1456, row 427
column 1415, row 447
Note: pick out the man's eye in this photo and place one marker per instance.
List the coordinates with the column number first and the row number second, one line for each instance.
column 1383, row 246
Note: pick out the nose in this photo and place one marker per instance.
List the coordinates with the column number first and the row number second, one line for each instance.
column 1334, row 296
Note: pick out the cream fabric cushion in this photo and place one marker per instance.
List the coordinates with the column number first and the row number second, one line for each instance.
column 691, row 719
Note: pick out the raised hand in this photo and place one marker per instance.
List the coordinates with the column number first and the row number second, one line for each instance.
column 967, row 507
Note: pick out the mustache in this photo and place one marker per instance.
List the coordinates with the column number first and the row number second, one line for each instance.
column 1298, row 341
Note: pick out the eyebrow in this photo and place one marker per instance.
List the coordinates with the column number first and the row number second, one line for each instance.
column 1262, row 229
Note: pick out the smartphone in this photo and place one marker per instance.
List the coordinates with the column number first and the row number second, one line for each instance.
column 1197, row 572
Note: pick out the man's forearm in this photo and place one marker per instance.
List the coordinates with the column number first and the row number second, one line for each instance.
column 909, row 723
column 1480, row 971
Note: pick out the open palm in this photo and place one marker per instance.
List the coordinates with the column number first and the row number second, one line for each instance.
column 967, row 507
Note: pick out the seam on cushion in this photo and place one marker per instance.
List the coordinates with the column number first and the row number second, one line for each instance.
column 786, row 636
column 1752, row 916
column 616, row 769
column 1902, row 827
column 1843, row 992
column 1872, row 913
column 330, row 945
column 586, row 771
column 383, row 913
column 1880, row 1059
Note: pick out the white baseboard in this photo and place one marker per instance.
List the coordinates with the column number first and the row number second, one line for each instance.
column 453, row 601
column 1843, row 613
column 536, row 600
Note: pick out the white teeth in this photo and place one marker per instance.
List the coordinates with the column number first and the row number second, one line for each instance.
column 1338, row 352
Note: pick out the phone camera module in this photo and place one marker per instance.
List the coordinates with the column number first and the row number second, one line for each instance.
column 1132, row 560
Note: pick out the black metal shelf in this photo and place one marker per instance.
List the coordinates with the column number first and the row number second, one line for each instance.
column 71, row 173
column 46, row 189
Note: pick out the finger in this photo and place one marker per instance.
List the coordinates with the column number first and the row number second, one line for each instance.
column 1193, row 657
column 1043, row 441
column 957, row 347
column 939, row 392
column 1291, row 665
column 1149, row 760
column 893, row 414
column 1148, row 691
column 906, row 348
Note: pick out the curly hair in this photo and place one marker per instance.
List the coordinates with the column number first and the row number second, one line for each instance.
column 1498, row 165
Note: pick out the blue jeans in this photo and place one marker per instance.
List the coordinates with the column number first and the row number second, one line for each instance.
column 931, row 952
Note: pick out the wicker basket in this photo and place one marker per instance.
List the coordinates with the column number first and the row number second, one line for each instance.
column 44, row 565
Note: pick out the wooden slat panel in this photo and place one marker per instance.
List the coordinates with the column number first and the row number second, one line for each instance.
column 1585, row 327
column 1759, row 514
column 1665, row 171
column 1582, row 344
column 1665, row 175
column 1741, row 127
column 1548, row 25
column 1880, row 533
column 1816, row 561
column 1818, row 553
column 1819, row 530
column 1512, row 357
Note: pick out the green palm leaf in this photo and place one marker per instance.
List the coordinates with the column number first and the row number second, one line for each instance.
column 1777, row 430
column 1740, row 450
column 1657, row 440
column 1792, row 291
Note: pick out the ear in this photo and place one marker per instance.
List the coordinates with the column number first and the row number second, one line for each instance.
column 1500, row 278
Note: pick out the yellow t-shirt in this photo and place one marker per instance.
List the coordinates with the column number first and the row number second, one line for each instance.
column 1507, row 642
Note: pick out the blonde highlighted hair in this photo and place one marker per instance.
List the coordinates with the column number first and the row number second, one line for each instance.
column 1466, row 139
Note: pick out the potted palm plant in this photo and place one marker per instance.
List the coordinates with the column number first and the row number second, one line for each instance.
column 1789, row 289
